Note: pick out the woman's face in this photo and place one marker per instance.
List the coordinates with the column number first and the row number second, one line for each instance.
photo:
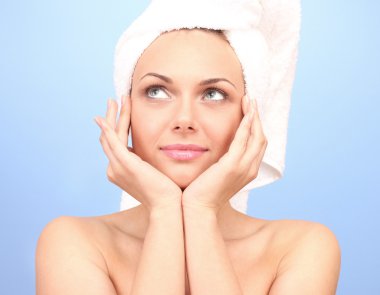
column 186, row 98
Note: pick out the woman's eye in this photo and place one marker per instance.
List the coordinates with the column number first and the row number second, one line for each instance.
column 156, row 92
column 215, row 95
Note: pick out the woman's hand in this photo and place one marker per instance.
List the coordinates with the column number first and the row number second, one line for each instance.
column 127, row 170
column 239, row 166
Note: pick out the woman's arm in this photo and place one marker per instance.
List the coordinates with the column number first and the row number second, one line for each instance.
column 161, row 269
column 209, row 266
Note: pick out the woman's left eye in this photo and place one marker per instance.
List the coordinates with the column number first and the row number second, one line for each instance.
column 215, row 95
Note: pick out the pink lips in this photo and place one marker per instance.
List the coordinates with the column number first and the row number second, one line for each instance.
column 183, row 152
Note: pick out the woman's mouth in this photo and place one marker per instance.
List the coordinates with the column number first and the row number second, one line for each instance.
column 183, row 152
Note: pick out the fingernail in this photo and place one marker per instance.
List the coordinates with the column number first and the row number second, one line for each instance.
column 123, row 100
column 109, row 103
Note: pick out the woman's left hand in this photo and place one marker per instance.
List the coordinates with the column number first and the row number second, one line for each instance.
column 239, row 166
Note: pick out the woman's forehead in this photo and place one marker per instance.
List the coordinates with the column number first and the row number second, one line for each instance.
column 190, row 52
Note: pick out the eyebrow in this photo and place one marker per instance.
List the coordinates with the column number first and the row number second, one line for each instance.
column 202, row 83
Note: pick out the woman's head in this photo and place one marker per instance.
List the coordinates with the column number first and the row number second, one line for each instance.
column 187, row 89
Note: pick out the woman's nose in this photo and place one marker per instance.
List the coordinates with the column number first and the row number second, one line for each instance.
column 184, row 120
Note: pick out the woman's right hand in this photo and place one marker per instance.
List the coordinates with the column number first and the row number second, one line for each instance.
column 127, row 170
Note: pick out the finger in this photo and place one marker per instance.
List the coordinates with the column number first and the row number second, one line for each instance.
column 256, row 139
column 116, row 146
column 113, row 161
column 104, row 143
column 114, row 164
column 255, row 166
column 111, row 112
column 256, row 127
column 239, row 143
column 122, row 128
column 245, row 104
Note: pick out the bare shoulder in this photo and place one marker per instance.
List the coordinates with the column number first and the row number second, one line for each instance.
column 298, row 232
column 310, row 258
column 79, row 233
column 68, row 258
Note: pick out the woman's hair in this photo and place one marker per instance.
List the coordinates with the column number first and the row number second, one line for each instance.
column 218, row 32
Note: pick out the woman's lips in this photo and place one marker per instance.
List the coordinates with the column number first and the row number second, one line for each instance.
column 183, row 152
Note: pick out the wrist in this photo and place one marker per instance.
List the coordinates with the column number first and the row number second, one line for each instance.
column 195, row 211
column 161, row 211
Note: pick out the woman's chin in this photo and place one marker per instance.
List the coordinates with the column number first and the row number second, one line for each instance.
column 183, row 176
column 183, row 181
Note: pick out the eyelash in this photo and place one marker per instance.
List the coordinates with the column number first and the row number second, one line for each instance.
column 152, row 86
column 225, row 95
column 220, row 91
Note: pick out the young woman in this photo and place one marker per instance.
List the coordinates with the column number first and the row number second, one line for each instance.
column 197, row 140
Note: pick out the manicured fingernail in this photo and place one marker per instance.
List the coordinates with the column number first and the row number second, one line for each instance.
column 123, row 97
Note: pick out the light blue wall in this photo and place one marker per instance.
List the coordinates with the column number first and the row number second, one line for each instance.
column 56, row 73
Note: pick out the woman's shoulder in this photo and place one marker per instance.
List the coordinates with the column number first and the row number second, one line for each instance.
column 293, row 234
column 72, row 237
column 92, row 236
column 72, row 226
column 297, row 230
column 308, row 252
column 87, row 234
column 81, row 229
column 67, row 249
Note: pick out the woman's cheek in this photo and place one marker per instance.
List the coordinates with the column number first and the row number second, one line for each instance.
column 222, row 127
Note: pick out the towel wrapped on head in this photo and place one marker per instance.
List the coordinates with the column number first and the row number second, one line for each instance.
column 264, row 35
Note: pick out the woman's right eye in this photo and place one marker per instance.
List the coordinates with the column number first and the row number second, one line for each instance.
column 156, row 92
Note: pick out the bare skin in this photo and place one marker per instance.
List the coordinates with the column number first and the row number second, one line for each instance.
column 109, row 248
column 185, row 238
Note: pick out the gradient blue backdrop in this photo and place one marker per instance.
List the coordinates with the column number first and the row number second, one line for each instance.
column 56, row 73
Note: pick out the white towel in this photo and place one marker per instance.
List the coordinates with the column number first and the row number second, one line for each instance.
column 264, row 35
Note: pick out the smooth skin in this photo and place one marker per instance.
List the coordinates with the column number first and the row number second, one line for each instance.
column 185, row 238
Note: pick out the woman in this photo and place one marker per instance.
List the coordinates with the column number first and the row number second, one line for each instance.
column 197, row 140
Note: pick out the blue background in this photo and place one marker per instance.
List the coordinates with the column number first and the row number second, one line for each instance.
column 56, row 67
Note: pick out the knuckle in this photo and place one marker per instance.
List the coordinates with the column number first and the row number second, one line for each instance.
column 110, row 174
column 263, row 141
column 113, row 147
column 105, row 125
column 254, row 173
